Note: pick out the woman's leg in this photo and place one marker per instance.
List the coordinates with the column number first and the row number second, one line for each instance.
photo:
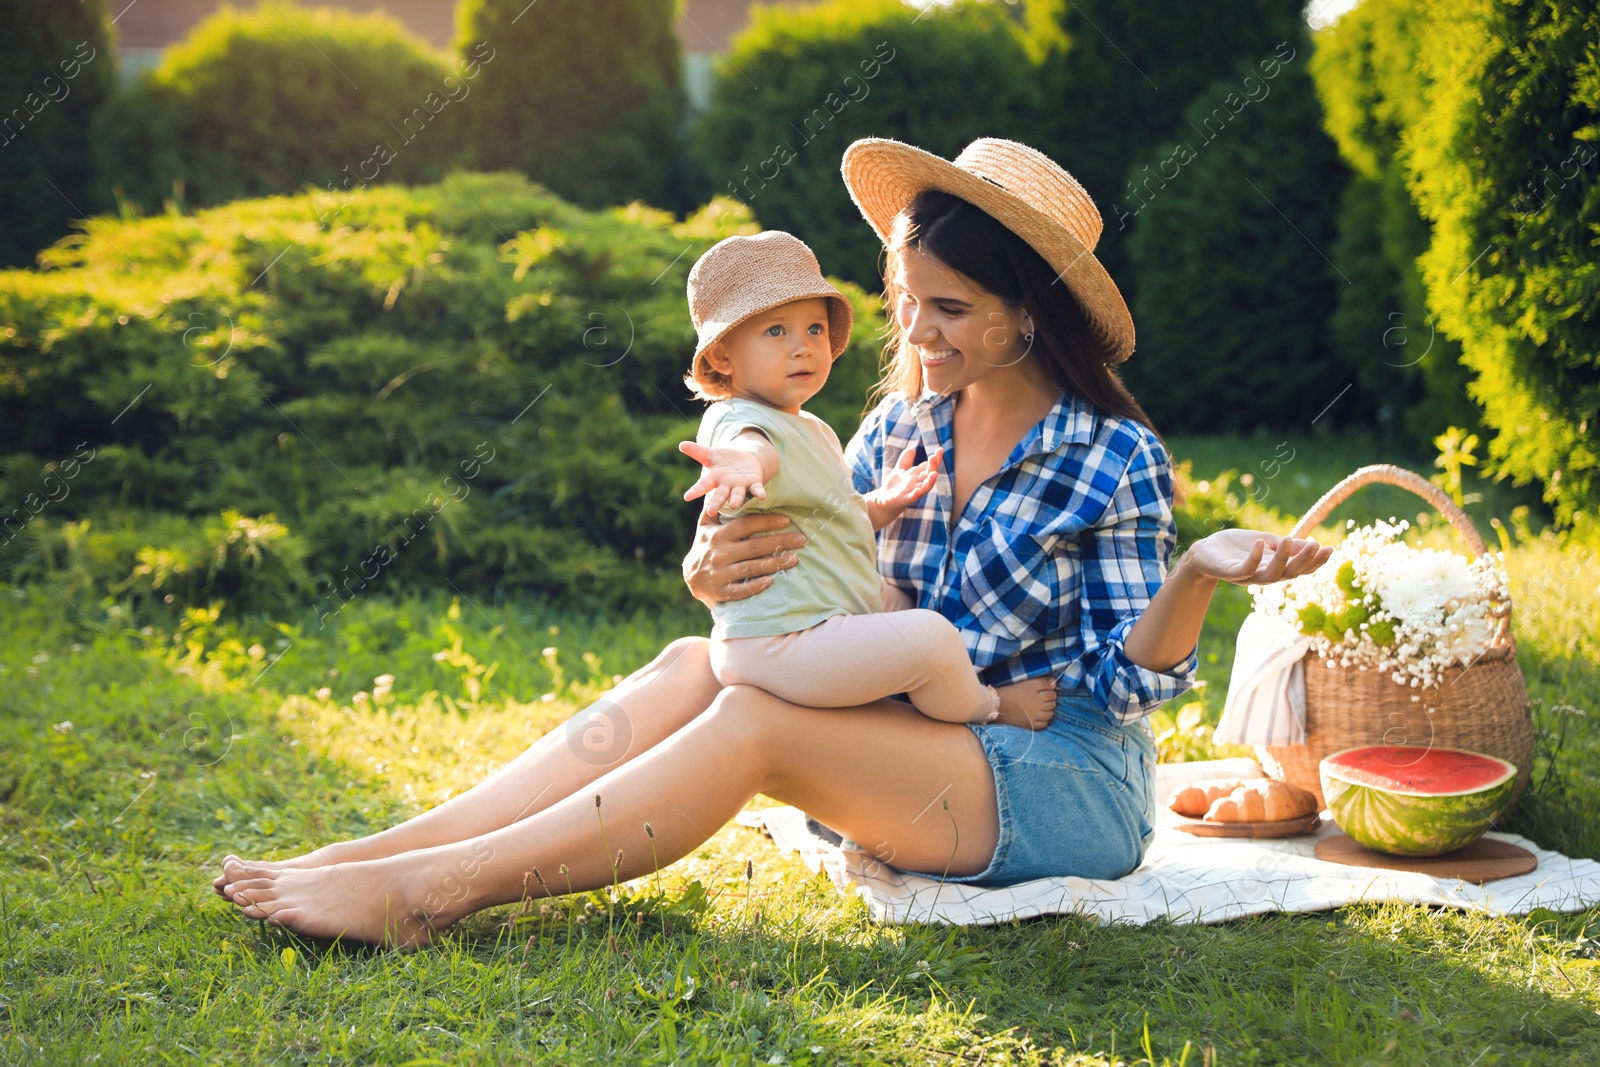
column 646, row 707
column 915, row 792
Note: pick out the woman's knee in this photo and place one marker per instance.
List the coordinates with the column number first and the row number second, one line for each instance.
column 750, row 718
column 685, row 654
column 686, row 661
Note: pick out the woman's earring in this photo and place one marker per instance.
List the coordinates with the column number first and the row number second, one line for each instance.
column 1027, row 338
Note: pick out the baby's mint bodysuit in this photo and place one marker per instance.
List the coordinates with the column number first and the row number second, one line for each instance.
column 837, row 571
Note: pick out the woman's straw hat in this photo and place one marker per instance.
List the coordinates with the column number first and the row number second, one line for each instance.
column 743, row 276
column 1023, row 189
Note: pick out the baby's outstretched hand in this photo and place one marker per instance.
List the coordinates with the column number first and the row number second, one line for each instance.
column 907, row 483
column 729, row 475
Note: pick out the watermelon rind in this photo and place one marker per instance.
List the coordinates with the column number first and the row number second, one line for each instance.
column 1408, row 823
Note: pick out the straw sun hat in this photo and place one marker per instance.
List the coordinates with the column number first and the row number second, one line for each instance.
column 740, row 277
column 1022, row 189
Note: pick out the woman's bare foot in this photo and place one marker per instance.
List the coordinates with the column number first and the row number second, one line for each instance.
column 327, row 855
column 398, row 901
column 1030, row 704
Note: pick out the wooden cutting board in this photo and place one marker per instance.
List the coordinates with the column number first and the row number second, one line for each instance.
column 1485, row 860
column 1283, row 828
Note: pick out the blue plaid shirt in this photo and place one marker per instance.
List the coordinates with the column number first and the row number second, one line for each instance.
column 1053, row 559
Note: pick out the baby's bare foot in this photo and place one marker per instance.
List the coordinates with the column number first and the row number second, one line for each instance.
column 1030, row 704
column 379, row 901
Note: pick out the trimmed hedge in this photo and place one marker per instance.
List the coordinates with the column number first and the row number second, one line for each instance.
column 1473, row 131
column 289, row 401
column 588, row 101
column 1371, row 90
column 1504, row 163
column 1230, row 280
column 59, row 70
column 1115, row 78
column 267, row 100
column 837, row 71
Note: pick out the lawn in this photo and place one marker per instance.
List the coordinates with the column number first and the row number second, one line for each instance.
column 132, row 757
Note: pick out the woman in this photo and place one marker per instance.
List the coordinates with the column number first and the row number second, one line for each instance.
column 1045, row 541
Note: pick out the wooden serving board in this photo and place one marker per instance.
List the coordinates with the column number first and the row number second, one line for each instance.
column 1485, row 860
column 1282, row 828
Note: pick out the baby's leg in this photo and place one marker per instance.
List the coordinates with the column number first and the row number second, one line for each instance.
column 855, row 659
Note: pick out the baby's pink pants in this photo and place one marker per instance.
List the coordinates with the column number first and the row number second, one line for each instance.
column 856, row 659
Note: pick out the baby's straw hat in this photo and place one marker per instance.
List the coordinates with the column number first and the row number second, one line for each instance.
column 1021, row 188
column 740, row 277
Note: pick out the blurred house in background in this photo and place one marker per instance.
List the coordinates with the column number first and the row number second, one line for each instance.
column 149, row 27
column 706, row 27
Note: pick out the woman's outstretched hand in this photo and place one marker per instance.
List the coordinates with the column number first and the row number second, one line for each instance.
column 1253, row 557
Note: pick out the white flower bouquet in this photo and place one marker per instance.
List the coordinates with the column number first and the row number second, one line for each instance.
column 1382, row 604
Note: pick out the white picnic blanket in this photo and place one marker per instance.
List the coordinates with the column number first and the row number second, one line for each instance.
column 1185, row 878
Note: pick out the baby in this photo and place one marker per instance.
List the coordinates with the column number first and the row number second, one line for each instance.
column 770, row 327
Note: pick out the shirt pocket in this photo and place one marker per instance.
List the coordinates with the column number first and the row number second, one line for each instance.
column 1011, row 584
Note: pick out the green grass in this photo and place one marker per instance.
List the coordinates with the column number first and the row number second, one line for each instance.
column 183, row 746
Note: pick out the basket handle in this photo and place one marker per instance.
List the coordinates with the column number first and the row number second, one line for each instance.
column 1389, row 474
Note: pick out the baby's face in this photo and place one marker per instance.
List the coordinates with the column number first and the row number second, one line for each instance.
column 780, row 357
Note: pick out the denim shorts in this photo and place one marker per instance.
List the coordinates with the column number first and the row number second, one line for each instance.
column 1076, row 798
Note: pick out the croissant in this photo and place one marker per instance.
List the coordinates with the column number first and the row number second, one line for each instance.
column 1195, row 799
column 1262, row 800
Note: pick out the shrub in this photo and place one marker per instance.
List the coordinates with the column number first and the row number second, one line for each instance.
column 1231, row 288
column 837, row 71
column 1503, row 162
column 1227, row 500
column 59, row 70
column 587, row 98
column 471, row 384
column 266, row 100
column 158, row 558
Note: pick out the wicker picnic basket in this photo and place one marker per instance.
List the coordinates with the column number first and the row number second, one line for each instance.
column 1482, row 706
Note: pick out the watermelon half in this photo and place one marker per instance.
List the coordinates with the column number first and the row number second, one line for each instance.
column 1415, row 801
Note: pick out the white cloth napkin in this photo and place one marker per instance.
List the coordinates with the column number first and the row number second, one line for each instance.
column 1267, row 693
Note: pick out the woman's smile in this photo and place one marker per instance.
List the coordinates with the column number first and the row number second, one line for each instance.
column 936, row 357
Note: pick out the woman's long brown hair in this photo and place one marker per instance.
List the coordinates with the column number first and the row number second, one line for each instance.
column 977, row 246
